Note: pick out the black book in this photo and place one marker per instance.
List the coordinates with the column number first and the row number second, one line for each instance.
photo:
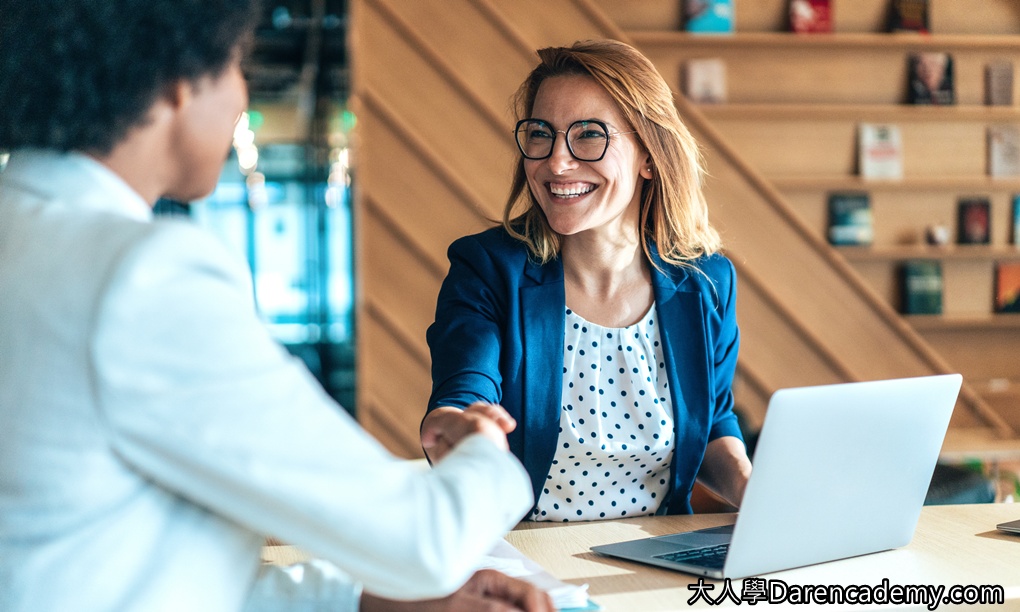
column 908, row 16
column 930, row 78
column 973, row 221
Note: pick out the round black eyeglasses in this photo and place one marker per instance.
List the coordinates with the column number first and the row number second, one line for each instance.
column 587, row 139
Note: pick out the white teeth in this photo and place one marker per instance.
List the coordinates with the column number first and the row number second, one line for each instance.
column 570, row 192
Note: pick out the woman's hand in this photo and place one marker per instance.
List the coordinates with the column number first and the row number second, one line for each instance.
column 446, row 426
column 726, row 469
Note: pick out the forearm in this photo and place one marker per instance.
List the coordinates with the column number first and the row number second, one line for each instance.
column 726, row 469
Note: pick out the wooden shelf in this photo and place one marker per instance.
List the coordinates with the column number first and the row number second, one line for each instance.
column 963, row 323
column 962, row 444
column 901, row 113
column 789, row 40
column 906, row 184
column 923, row 251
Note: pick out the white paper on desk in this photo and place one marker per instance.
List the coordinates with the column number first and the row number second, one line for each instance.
column 505, row 558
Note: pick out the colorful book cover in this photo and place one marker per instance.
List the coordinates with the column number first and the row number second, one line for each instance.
column 908, row 16
column 709, row 16
column 930, row 78
column 1007, row 286
column 1016, row 219
column 705, row 80
column 850, row 219
column 999, row 83
column 880, row 151
column 922, row 287
column 810, row 16
column 1003, row 150
column 974, row 221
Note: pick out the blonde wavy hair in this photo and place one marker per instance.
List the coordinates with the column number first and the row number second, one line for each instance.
column 674, row 213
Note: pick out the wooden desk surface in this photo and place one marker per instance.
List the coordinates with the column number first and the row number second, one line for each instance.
column 953, row 545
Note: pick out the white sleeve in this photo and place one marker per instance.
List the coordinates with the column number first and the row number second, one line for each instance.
column 311, row 586
column 199, row 398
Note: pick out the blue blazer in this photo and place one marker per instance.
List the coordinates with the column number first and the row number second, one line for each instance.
column 498, row 337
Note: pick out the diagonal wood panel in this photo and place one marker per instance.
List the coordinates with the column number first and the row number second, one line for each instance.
column 434, row 155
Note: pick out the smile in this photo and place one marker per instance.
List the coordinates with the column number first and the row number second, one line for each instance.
column 570, row 190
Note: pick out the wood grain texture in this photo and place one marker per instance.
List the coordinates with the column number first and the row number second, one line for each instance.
column 953, row 545
column 433, row 155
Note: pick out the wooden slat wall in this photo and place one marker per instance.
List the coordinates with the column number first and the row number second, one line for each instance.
column 432, row 84
column 433, row 163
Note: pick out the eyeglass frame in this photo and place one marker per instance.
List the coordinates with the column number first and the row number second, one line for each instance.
column 552, row 146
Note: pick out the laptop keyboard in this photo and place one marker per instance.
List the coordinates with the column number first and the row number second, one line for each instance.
column 711, row 556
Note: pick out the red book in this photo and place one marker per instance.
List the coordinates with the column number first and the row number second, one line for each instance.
column 810, row 16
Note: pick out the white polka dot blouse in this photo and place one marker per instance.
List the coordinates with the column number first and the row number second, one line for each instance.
column 616, row 424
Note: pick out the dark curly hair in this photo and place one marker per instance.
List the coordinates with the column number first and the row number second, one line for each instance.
column 79, row 74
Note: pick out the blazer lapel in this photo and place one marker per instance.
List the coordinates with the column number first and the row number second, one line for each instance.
column 682, row 331
column 543, row 316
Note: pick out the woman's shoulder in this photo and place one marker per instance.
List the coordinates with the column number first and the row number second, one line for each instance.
column 494, row 243
column 715, row 268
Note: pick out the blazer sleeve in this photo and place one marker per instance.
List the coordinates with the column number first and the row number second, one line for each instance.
column 196, row 396
column 465, row 340
column 724, row 350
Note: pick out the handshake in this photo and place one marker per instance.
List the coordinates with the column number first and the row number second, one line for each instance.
column 443, row 428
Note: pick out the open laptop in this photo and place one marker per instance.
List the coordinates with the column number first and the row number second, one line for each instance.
column 839, row 471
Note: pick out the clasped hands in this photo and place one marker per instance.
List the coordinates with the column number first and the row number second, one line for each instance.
column 487, row 590
column 443, row 428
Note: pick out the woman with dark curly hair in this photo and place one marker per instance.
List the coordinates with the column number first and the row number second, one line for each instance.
column 152, row 430
column 601, row 314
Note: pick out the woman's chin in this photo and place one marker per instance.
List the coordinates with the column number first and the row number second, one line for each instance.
column 566, row 229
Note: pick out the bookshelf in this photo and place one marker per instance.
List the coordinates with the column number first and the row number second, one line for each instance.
column 794, row 102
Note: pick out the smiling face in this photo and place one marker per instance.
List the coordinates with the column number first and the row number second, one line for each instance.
column 577, row 196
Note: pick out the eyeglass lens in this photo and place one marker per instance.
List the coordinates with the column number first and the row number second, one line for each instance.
column 586, row 140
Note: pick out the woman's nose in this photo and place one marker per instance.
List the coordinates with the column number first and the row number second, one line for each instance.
column 561, row 159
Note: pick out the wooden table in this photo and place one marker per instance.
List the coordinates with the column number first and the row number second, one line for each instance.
column 953, row 545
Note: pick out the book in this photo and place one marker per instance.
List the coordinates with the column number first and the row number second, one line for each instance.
column 1007, row 286
column 879, row 151
column 973, row 220
column 1016, row 219
column 908, row 16
column 704, row 80
column 999, row 83
column 930, row 78
column 1003, row 150
column 709, row 16
column 810, row 16
column 921, row 285
column 850, row 219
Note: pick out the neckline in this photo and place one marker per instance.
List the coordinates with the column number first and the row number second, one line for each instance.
column 642, row 322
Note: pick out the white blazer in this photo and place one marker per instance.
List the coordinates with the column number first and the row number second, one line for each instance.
column 151, row 432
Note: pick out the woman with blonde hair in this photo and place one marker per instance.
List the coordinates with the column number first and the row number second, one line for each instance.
column 600, row 314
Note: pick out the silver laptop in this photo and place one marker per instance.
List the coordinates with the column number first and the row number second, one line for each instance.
column 839, row 471
column 1011, row 526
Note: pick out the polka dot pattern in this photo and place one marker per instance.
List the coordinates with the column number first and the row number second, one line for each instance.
column 616, row 424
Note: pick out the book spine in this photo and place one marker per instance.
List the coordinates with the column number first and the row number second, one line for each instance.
column 1016, row 219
